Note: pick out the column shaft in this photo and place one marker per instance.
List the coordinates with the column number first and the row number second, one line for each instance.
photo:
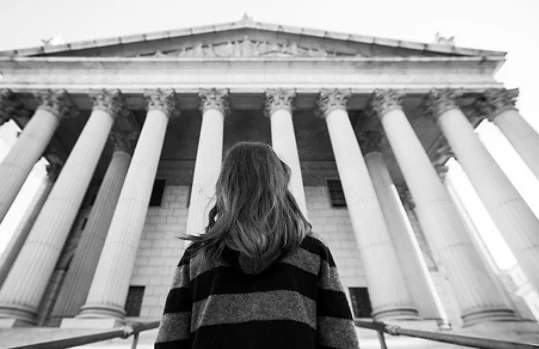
column 513, row 217
column 500, row 109
column 83, row 266
column 389, row 294
column 21, row 234
column 475, row 290
column 283, row 139
column 208, row 160
column 414, row 268
column 109, row 288
column 29, row 147
column 26, row 283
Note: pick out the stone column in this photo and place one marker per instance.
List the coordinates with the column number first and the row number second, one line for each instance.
column 108, row 292
column 26, row 283
column 53, row 107
column 84, row 263
column 414, row 268
column 476, row 292
column 279, row 107
column 499, row 107
column 214, row 108
column 515, row 220
column 476, row 238
column 388, row 292
column 21, row 234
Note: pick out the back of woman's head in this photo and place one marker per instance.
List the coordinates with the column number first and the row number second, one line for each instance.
column 254, row 213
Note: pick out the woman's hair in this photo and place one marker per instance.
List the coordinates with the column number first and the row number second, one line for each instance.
column 254, row 214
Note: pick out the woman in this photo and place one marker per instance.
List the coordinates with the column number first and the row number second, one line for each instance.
column 258, row 277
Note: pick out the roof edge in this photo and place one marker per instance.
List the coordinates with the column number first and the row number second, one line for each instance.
column 248, row 23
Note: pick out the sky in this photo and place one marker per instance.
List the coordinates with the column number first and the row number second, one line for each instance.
column 510, row 26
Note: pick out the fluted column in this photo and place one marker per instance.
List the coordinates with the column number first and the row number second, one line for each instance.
column 84, row 263
column 27, row 222
column 26, row 283
column 214, row 107
column 513, row 217
column 109, row 288
column 475, row 290
column 389, row 294
column 53, row 107
column 499, row 107
column 414, row 268
column 279, row 107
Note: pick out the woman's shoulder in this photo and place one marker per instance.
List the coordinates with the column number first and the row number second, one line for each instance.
column 314, row 243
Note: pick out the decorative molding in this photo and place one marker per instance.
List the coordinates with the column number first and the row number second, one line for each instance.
column 406, row 197
column 109, row 101
column 495, row 101
column 279, row 98
column 10, row 106
column 214, row 99
column 439, row 101
column 56, row 161
column 248, row 47
column 382, row 102
column 371, row 141
column 57, row 102
column 441, row 170
column 163, row 100
column 331, row 99
column 124, row 141
column 53, row 171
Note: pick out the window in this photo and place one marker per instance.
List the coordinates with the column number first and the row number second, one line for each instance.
column 134, row 301
column 361, row 303
column 157, row 192
column 336, row 193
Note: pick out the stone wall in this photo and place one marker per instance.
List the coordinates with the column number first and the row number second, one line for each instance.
column 160, row 249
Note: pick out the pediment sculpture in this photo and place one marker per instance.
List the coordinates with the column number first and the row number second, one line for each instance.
column 248, row 48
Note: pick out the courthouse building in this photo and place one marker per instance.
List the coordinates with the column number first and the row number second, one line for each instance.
column 134, row 129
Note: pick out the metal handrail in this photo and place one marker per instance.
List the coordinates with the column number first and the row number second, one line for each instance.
column 131, row 329
column 451, row 338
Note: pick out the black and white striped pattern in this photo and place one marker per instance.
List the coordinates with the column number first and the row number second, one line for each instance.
column 298, row 302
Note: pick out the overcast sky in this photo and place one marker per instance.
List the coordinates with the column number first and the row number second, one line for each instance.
column 511, row 26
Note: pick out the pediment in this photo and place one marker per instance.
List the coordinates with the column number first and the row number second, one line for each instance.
column 248, row 47
column 247, row 38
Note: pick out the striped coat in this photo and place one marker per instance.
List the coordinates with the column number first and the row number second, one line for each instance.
column 296, row 302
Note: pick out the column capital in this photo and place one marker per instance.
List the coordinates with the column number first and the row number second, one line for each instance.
column 382, row 102
column 53, row 170
column 279, row 98
column 58, row 102
column 124, row 141
column 331, row 99
column 10, row 105
column 495, row 101
column 406, row 197
column 441, row 170
column 438, row 101
column 163, row 100
column 370, row 141
column 214, row 99
column 109, row 101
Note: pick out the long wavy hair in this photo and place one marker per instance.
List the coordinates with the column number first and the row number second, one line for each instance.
column 254, row 214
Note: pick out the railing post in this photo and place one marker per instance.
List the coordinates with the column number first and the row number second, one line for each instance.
column 382, row 340
column 135, row 341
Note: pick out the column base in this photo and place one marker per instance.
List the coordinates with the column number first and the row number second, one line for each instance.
column 102, row 323
column 517, row 330
column 100, row 312
column 396, row 314
column 17, row 316
column 479, row 316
